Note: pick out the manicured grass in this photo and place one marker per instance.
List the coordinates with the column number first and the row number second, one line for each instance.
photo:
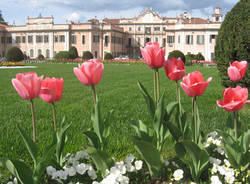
column 117, row 91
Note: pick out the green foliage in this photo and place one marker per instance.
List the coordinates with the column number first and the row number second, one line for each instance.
column 87, row 55
column 193, row 156
column 62, row 55
column 1, row 19
column 23, row 172
column 190, row 57
column 233, row 42
column 108, row 56
column 73, row 53
column 61, row 140
column 41, row 57
column 199, row 57
column 14, row 54
column 237, row 150
column 177, row 54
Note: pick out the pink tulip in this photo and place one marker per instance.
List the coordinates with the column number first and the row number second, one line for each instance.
column 27, row 85
column 194, row 85
column 153, row 55
column 51, row 89
column 89, row 72
column 234, row 99
column 174, row 69
column 236, row 71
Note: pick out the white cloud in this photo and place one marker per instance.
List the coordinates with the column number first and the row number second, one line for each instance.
column 73, row 17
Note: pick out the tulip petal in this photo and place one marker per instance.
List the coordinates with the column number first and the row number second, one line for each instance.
column 82, row 78
column 20, row 88
column 233, row 73
column 187, row 90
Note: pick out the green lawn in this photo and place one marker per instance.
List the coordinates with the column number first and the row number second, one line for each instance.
column 117, row 91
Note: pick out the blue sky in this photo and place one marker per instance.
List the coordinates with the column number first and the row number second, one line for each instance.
column 81, row 10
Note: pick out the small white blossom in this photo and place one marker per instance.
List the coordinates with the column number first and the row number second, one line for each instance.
column 81, row 168
column 138, row 165
column 215, row 180
column 227, row 163
column 210, row 140
column 229, row 179
column 213, row 134
column 121, row 167
column 71, row 171
column 130, row 168
column 130, row 158
column 92, row 173
column 123, row 179
column 50, row 170
column 178, row 174
column 166, row 163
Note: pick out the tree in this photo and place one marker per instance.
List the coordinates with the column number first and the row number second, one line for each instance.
column 62, row 55
column 87, row 55
column 14, row 54
column 108, row 56
column 233, row 42
column 1, row 19
column 73, row 53
column 177, row 54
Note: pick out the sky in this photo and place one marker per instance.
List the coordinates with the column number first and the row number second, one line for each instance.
column 17, row 11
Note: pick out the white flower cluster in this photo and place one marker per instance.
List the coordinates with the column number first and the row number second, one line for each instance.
column 117, row 172
column 178, row 174
column 73, row 167
column 13, row 182
column 219, row 167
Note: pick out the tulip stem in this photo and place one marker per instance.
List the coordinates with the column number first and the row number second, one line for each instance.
column 94, row 93
column 195, row 120
column 158, row 85
column 33, row 120
column 177, row 91
column 54, row 115
column 235, row 124
column 155, row 84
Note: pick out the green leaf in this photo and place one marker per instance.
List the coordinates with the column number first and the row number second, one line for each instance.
column 159, row 116
column 171, row 106
column 19, row 169
column 30, row 145
column 44, row 161
column 245, row 140
column 175, row 132
column 106, row 130
column 97, row 122
column 93, row 139
column 101, row 159
column 148, row 99
column 194, row 157
column 142, row 130
column 150, row 154
column 60, row 138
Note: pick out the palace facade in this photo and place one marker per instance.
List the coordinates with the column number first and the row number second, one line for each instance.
column 122, row 36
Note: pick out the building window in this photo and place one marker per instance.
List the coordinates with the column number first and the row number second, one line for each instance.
column 148, row 30
column 189, row 39
column 170, row 39
column 9, row 39
column 139, row 28
column 157, row 28
column 212, row 56
column 62, row 38
column 96, row 38
column 164, row 28
column 23, row 39
column 164, row 42
column 39, row 39
column 179, row 39
column 96, row 54
column 147, row 40
column 31, row 53
column 129, row 41
column 30, row 39
column 130, row 28
column 217, row 19
column 56, row 38
column 106, row 40
column 83, row 39
column 47, row 53
column 39, row 52
column 139, row 41
column 156, row 39
column 73, row 39
column 200, row 39
column 18, row 39
column 2, row 39
column 212, row 37
column 46, row 38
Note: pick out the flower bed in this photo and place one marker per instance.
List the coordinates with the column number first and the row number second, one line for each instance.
column 223, row 158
